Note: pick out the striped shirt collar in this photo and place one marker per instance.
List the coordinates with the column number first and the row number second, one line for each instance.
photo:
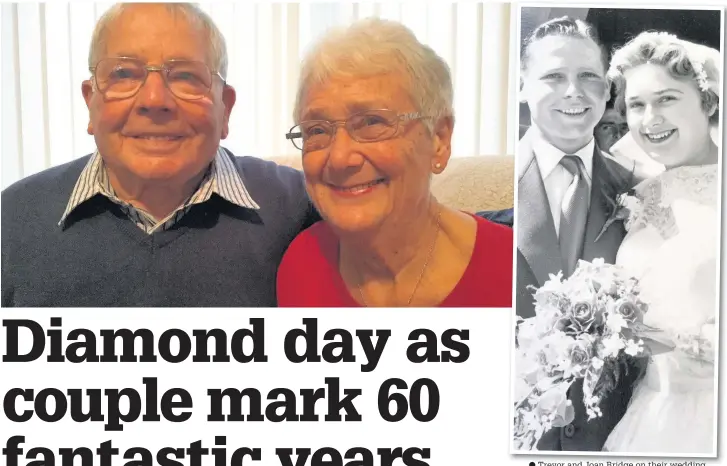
column 222, row 179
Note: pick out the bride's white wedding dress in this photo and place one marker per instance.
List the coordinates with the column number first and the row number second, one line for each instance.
column 672, row 247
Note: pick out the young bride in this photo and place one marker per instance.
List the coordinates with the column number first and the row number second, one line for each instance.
column 669, row 90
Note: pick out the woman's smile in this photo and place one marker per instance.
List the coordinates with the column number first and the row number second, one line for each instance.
column 359, row 189
column 660, row 137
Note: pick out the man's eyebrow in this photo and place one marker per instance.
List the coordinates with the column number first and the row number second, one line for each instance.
column 555, row 69
column 139, row 57
column 125, row 55
column 182, row 57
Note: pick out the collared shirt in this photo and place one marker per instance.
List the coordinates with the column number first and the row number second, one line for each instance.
column 555, row 176
column 221, row 178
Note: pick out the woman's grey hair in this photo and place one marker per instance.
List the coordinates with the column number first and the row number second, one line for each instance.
column 676, row 56
column 217, row 52
column 376, row 46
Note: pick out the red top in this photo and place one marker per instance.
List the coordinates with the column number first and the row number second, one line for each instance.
column 308, row 275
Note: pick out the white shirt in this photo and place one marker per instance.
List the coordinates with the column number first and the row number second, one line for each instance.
column 556, row 178
column 222, row 178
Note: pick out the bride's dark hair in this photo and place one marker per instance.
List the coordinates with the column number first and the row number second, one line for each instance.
column 683, row 60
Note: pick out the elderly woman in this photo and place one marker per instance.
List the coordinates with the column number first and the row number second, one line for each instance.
column 374, row 122
column 669, row 91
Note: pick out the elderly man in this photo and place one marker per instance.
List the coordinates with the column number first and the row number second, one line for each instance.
column 160, row 214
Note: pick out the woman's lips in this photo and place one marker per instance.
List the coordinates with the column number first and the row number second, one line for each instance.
column 358, row 189
column 660, row 137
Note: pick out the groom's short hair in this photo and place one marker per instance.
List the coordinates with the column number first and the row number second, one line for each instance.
column 563, row 26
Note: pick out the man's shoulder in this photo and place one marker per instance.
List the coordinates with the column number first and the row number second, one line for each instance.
column 276, row 188
column 611, row 171
column 254, row 165
column 525, row 154
column 503, row 217
column 59, row 179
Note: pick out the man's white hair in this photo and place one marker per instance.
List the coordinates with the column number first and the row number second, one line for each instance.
column 217, row 52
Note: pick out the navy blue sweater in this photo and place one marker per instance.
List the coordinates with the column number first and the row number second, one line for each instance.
column 218, row 254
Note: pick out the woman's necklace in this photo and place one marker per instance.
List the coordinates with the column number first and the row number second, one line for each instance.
column 424, row 267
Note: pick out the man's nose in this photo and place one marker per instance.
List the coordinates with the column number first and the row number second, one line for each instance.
column 154, row 96
column 574, row 88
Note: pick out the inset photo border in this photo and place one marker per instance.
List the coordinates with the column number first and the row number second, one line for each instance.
column 617, row 223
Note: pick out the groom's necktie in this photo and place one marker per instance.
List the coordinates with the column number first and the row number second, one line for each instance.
column 573, row 214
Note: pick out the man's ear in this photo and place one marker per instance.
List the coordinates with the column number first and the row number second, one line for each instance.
column 522, row 91
column 87, row 90
column 609, row 85
column 442, row 141
column 229, row 96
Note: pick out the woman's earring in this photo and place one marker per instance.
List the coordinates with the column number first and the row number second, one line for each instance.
column 437, row 165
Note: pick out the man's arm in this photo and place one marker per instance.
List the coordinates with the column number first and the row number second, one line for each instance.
column 503, row 217
column 312, row 215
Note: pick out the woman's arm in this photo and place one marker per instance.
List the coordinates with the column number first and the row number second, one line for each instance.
column 699, row 344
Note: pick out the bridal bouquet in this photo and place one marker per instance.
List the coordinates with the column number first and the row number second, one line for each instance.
column 586, row 327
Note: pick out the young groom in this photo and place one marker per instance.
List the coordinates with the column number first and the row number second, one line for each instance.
column 561, row 206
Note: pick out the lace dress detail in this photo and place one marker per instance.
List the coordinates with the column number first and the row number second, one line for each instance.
column 672, row 247
column 652, row 199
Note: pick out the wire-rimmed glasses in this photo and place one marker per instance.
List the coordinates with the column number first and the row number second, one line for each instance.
column 368, row 126
column 122, row 77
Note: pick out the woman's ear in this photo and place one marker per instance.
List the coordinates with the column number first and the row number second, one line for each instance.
column 443, row 129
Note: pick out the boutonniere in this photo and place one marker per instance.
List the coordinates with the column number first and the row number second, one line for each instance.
column 620, row 207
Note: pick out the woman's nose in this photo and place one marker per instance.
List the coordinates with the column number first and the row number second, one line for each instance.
column 651, row 117
column 342, row 151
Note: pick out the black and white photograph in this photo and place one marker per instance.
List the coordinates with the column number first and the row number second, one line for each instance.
column 617, row 224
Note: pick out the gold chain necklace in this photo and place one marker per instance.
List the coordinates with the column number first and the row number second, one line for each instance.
column 424, row 267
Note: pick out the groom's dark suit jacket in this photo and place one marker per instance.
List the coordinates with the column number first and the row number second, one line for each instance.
column 539, row 255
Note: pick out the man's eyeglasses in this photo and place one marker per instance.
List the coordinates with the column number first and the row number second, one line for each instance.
column 121, row 78
column 369, row 126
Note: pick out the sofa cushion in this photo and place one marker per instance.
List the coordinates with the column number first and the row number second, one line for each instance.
column 473, row 184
